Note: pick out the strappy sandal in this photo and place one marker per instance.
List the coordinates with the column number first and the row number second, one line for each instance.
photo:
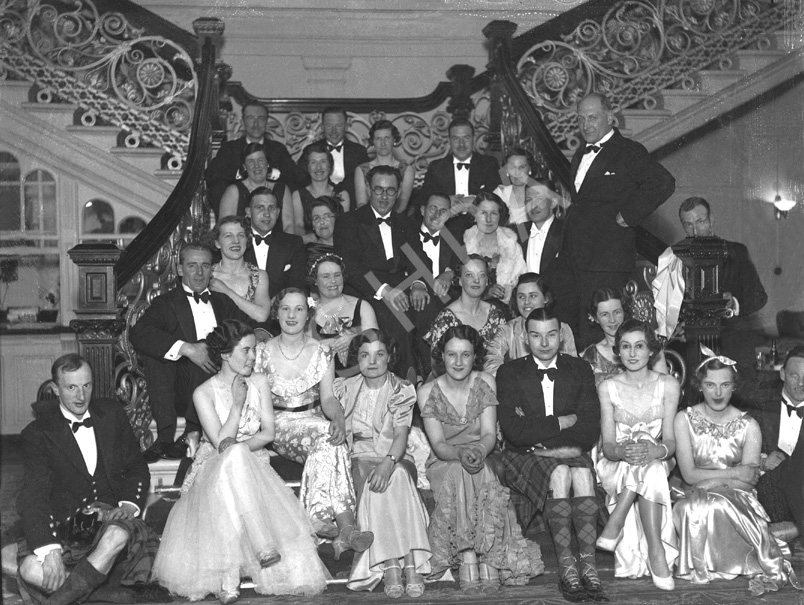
column 393, row 590
column 414, row 582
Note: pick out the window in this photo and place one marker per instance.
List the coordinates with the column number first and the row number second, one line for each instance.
column 40, row 202
column 98, row 218
column 9, row 192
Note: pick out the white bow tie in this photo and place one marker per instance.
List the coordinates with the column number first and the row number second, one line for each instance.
column 535, row 232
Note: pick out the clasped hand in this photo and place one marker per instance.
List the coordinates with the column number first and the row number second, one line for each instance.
column 637, row 452
column 380, row 476
column 472, row 457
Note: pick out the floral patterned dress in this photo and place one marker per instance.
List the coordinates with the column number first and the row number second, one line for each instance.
column 446, row 319
column 302, row 435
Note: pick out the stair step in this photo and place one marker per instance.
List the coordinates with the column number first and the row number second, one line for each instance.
column 169, row 176
column 15, row 92
column 753, row 60
column 678, row 100
column 640, row 119
column 713, row 80
column 58, row 115
column 102, row 137
column 144, row 158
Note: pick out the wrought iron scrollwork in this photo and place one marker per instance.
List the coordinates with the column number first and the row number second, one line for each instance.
column 143, row 84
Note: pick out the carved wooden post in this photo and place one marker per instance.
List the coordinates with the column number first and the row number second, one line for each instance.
column 499, row 34
column 704, row 307
column 99, row 322
column 460, row 103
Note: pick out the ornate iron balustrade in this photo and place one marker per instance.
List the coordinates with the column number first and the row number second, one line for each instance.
column 145, row 85
column 640, row 47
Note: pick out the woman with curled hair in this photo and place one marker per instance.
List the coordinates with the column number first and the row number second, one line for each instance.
column 309, row 421
column 518, row 165
column 338, row 317
column 722, row 528
column 236, row 514
column 384, row 136
column 472, row 521
column 317, row 161
column 490, row 238
column 637, row 410
column 468, row 309
column 511, row 340
column 378, row 407
column 244, row 283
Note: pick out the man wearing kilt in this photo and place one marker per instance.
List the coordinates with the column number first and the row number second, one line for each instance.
column 85, row 484
column 549, row 416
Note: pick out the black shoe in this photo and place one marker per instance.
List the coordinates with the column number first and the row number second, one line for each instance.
column 151, row 593
column 161, row 449
column 594, row 588
column 572, row 590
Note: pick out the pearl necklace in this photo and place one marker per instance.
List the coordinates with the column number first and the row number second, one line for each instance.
column 220, row 268
column 296, row 356
column 337, row 311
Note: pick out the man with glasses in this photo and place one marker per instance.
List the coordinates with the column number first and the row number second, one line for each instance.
column 385, row 261
column 224, row 169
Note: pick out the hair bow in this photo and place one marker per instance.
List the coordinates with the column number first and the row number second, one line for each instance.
column 710, row 355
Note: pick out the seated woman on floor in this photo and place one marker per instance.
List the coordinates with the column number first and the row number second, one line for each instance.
column 472, row 517
column 722, row 528
column 235, row 515
column 468, row 309
column 511, row 341
column 378, row 406
column 637, row 410
column 309, row 421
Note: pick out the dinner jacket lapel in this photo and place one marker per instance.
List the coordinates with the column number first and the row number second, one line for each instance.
column 372, row 229
column 60, row 434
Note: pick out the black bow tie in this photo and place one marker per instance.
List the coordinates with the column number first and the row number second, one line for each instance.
column 203, row 297
column 386, row 220
column 549, row 372
column 87, row 422
column 337, row 148
column 462, row 165
column 426, row 237
column 590, row 148
column 791, row 408
column 259, row 239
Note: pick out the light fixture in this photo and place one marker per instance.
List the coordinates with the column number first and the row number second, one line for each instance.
column 782, row 207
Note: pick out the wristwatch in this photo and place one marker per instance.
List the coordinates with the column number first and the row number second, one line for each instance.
column 392, row 457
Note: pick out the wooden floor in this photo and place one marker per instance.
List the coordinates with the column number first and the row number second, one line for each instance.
column 541, row 590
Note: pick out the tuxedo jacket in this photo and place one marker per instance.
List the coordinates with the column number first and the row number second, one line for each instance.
column 286, row 263
column 170, row 318
column 354, row 154
column 741, row 279
column 357, row 239
column 484, row 175
column 770, row 418
column 57, row 483
column 552, row 243
column 222, row 170
column 624, row 179
column 521, row 411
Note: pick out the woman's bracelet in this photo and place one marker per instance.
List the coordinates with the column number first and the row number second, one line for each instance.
column 666, row 452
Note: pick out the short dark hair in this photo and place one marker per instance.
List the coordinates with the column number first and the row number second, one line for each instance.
column 194, row 245
column 334, row 109
column 543, row 314
column 325, row 201
column 797, row 351
column 693, row 202
column 385, row 125
column 441, row 194
column 224, row 338
column 250, row 149
column 635, row 325
column 383, row 170
column 531, row 278
column 464, row 332
column 317, row 147
column 254, row 104
column 602, row 295
column 282, row 294
column 456, row 122
column 520, row 152
column 370, row 336
column 263, row 190
column 713, row 364
column 71, row 362
column 232, row 219
column 330, row 257
column 488, row 196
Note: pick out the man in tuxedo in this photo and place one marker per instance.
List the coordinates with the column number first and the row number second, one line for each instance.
column 385, row 261
column 549, row 416
column 281, row 255
column 169, row 337
column 781, row 487
column 740, row 283
column 81, row 456
column 346, row 155
column 540, row 237
column 444, row 251
column 616, row 185
column 225, row 168
column 462, row 174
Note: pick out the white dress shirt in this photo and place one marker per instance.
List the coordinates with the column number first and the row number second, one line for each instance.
column 204, row 319
column 261, row 251
column 789, row 426
column 587, row 159
column 432, row 250
column 461, row 175
column 338, row 171
column 548, row 386
column 536, row 245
